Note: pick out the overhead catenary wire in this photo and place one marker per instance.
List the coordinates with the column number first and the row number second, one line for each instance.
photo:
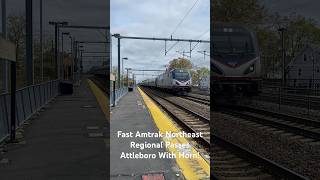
column 181, row 21
column 198, row 37
column 184, row 17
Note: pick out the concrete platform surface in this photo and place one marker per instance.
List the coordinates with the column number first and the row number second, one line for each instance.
column 131, row 115
column 68, row 140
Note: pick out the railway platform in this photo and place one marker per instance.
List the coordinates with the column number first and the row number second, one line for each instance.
column 68, row 139
column 134, row 113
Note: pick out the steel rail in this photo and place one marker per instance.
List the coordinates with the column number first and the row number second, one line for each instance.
column 238, row 112
column 186, row 109
column 196, row 99
column 152, row 95
column 300, row 120
column 269, row 166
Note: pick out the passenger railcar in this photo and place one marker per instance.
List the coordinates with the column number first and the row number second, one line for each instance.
column 236, row 61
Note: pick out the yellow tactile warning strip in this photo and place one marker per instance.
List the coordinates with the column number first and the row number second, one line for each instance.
column 101, row 97
column 192, row 168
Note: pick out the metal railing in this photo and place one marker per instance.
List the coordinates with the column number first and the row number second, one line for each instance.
column 118, row 95
column 313, row 84
column 29, row 100
column 306, row 98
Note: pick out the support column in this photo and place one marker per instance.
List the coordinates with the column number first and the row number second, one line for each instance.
column 41, row 41
column 29, row 44
column 5, row 64
column 119, row 63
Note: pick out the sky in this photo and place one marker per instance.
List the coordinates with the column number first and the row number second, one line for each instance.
column 159, row 19
column 76, row 12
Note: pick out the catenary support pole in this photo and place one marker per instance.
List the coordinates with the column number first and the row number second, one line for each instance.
column 41, row 40
column 5, row 64
column 29, row 44
column 119, row 57
column 13, row 102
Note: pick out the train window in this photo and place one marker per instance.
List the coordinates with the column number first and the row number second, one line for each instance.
column 305, row 57
column 318, row 70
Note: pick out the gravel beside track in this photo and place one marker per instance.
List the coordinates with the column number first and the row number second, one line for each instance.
column 198, row 100
column 200, row 96
column 226, row 164
column 295, row 152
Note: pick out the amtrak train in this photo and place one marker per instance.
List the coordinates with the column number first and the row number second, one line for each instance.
column 236, row 61
column 176, row 80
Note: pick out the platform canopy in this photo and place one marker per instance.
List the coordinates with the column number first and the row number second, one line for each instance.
column 7, row 50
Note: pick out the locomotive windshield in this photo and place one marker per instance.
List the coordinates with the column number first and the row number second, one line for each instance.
column 233, row 48
column 230, row 43
column 180, row 75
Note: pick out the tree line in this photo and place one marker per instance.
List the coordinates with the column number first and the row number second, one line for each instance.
column 16, row 33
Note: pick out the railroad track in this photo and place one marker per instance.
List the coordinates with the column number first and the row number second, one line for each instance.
column 188, row 119
column 200, row 96
column 197, row 99
column 306, row 128
column 199, row 108
column 230, row 161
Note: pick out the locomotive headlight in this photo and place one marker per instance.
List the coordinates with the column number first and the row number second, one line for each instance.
column 250, row 69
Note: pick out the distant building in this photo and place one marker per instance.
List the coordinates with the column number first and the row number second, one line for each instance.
column 204, row 83
column 304, row 70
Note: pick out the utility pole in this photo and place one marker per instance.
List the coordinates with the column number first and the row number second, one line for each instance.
column 127, row 77
column 281, row 30
column 56, row 49
column 313, row 73
column 204, row 54
column 62, row 50
column 119, row 57
column 57, row 25
column 71, row 45
column 5, row 64
column 133, row 81
column 41, row 40
column 125, row 58
column 81, row 61
column 72, row 57
column 29, row 44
